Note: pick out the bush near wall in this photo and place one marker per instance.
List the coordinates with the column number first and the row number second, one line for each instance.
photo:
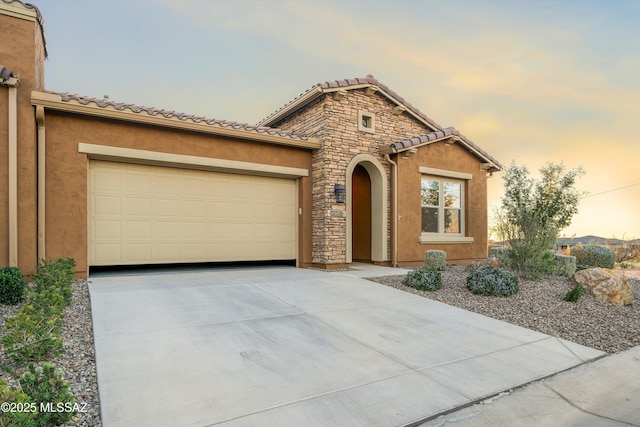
column 12, row 285
column 34, row 333
column 594, row 256
column 435, row 260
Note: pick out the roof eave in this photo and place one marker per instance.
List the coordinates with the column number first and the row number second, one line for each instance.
column 294, row 105
column 493, row 165
column 54, row 102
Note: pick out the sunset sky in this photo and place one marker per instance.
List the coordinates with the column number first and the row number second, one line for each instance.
column 528, row 81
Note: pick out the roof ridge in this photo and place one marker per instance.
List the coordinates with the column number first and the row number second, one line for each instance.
column 153, row 111
column 346, row 83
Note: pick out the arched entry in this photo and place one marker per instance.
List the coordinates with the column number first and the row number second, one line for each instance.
column 361, row 214
column 378, row 184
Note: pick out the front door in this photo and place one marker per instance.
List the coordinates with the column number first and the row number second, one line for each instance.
column 361, row 215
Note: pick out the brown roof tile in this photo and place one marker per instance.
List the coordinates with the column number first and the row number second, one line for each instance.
column 120, row 106
column 450, row 131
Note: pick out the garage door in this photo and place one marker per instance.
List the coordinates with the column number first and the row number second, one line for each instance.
column 142, row 214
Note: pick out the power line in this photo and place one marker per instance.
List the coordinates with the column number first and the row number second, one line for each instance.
column 609, row 191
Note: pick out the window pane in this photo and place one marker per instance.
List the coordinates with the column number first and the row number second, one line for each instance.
column 452, row 195
column 451, row 220
column 430, row 220
column 430, row 192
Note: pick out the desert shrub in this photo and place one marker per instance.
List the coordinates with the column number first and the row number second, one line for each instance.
column 594, row 256
column 423, row 279
column 32, row 335
column 56, row 276
column 492, row 281
column 44, row 384
column 16, row 418
column 565, row 265
column 532, row 213
column 12, row 285
column 625, row 265
column 575, row 293
column 501, row 253
column 435, row 260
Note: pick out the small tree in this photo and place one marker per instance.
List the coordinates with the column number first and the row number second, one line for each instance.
column 533, row 212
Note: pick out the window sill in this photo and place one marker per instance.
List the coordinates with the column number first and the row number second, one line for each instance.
column 443, row 239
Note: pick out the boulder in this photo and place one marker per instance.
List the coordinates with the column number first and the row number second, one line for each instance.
column 606, row 285
column 489, row 262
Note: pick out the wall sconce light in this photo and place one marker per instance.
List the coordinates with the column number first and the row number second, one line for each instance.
column 340, row 192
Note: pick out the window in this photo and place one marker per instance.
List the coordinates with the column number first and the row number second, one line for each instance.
column 366, row 122
column 442, row 205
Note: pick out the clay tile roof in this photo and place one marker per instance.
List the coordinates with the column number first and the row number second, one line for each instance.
column 441, row 134
column 346, row 83
column 138, row 109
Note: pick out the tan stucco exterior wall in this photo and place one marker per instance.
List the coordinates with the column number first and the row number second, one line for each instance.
column 454, row 158
column 22, row 51
column 66, row 176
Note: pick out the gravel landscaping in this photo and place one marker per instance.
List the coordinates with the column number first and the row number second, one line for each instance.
column 539, row 305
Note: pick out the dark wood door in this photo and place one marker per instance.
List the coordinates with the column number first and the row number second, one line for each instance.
column 361, row 215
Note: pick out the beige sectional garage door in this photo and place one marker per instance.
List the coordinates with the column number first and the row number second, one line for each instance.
column 142, row 214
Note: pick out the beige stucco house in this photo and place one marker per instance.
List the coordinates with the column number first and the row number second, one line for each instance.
column 348, row 171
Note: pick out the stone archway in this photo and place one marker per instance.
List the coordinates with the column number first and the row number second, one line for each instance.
column 379, row 213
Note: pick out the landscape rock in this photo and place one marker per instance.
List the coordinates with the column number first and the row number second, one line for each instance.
column 607, row 285
column 488, row 262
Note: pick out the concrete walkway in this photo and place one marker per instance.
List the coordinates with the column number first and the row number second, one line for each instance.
column 279, row 346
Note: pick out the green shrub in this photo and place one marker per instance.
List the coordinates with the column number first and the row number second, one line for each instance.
column 44, row 384
column 565, row 265
column 24, row 418
column 501, row 253
column 492, row 281
column 12, row 285
column 435, row 260
column 575, row 293
column 625, row 264
column 594, row 256
column 32, row 335
column 55, row 276
column 423, row 279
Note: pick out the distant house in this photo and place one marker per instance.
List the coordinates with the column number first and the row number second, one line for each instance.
column 348, row 171
column 564, row 243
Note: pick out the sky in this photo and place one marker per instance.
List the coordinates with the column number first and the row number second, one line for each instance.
column 530, row 82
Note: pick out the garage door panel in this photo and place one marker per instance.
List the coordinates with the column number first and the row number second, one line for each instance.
column 142, row 214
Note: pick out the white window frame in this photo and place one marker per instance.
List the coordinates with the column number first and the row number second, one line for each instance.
column 443, row 176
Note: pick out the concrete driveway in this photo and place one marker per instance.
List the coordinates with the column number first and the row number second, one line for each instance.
column 280, row 346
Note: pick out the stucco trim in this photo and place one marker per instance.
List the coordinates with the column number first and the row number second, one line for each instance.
column 12, row 172
column 444, row 172
column 55, row 102
column 379, row 213
column 41, row 184
column 130, row 155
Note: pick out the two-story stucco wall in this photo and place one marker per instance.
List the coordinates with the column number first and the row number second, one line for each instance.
column 21, row 51
column 342, row 141
column 66, row 172
column 449, row 157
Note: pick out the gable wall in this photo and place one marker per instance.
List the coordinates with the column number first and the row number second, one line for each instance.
column 342, row 141
column 455, row 158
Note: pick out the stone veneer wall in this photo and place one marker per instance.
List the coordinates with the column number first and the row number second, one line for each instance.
column 336, row 122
